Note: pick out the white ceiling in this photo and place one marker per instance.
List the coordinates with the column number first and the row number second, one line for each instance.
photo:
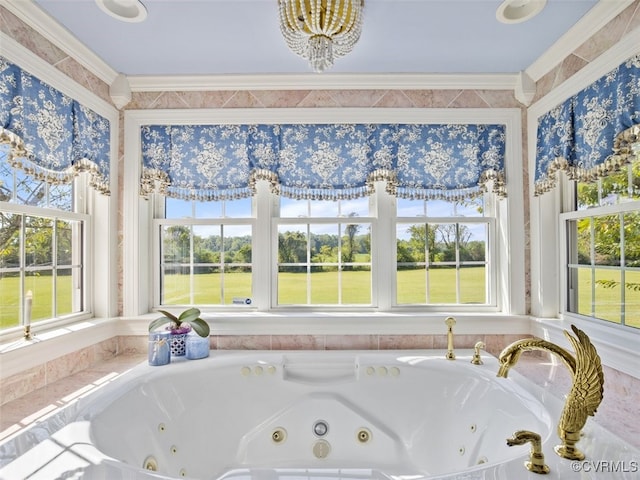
column 213, row 37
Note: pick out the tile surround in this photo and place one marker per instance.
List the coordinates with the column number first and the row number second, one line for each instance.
column 91, row 357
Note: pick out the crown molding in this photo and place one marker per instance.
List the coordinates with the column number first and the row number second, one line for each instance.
column 310, row 81
column 45, row 25
column 627, row 47
column 593, row 21
column 234, row 116
column 30, row 62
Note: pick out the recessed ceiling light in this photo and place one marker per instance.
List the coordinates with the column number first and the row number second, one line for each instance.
column 516, row 11
column 125, row 10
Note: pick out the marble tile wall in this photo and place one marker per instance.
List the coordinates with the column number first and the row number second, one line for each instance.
column 592, row 48
column 53, row 370
column 44, row 375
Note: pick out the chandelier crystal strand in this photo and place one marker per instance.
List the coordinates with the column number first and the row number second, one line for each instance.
column 321, row 30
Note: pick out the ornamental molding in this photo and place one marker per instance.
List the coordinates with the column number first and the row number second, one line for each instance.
column 593, row 21
column 38, row 19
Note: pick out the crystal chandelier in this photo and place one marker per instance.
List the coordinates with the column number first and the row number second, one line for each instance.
column 321, row 30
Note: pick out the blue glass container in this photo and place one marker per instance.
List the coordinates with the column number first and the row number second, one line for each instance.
column 159, row 348
column 197, row 346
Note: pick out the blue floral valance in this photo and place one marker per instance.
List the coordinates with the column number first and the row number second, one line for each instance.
column 593, row 132
column 51, row 136
column 322, row 161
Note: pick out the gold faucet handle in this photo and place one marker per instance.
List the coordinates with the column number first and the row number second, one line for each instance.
column 476, row 360
column 536, row 457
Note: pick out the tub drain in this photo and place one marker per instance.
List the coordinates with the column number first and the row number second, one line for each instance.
column 321, row 449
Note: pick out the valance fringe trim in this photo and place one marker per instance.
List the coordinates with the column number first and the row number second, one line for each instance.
column 19, row 157
column 52, row 136
column 591, row 134
column 322, row 161
column 623, row 154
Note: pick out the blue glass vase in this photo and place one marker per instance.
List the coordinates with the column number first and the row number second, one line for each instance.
column 197, row 347
column 159, row 348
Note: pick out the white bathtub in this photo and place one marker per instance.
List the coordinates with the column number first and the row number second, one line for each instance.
column 294, row 415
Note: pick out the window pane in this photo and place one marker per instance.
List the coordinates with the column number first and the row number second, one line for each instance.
column 472, row 242
column 41, row 286
column 10, row 225
column 238, row 253
column 632, row 239
column 176, row 285
column 356, row 244
column 324, row 285
column 64, row 291
column 411, row 284
column 442, row 285
column 291, row 208
column 176, row 244
column 207, row 244
column 29, row 191
column 207, row 283
column 65, row 241
column 61, row 197
column 582, row 231
column 292, row 244
column 356, row 286
column 178, row 208
column 608, row 295
column 9, row 300
column 324, row 243
column 632, row 299
column 582, row 290
column 358, row 207
column 473, row 285
column 6, row 176
column 38, row 241
column 324, row 208
column 607, row 240
column 292, row 285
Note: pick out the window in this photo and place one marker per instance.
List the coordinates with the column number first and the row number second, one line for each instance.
column 311, row 256
column 603, row 248
column 324, row 252
column 205, row 252
column 42, row 250
column 442, row 252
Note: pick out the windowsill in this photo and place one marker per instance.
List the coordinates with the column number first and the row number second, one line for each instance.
column 346, row 323
column 616, row 345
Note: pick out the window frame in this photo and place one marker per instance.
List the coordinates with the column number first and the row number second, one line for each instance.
column 617, row 345
column 158, row 223
column 277, row 221
column 138, row 226
column 101, row 270
column 55, row 215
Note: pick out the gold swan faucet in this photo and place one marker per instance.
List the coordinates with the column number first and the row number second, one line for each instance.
column 586, row 389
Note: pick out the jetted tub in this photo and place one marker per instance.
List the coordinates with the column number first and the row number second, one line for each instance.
column 276, row 415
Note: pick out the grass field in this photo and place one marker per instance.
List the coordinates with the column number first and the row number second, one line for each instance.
column 324, row 290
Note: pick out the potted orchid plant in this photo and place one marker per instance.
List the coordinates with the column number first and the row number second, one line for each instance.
column 180, row 326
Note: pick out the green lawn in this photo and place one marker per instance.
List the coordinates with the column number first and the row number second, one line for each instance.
column 324, row 290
